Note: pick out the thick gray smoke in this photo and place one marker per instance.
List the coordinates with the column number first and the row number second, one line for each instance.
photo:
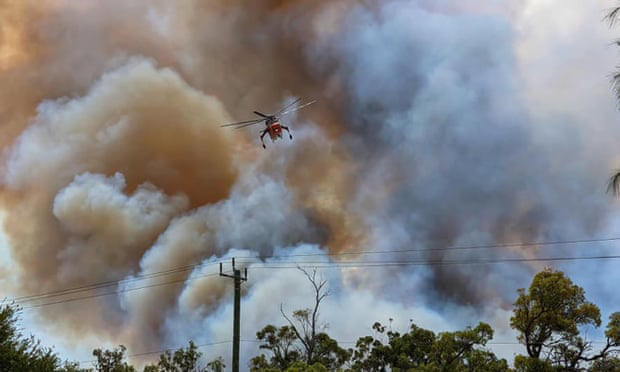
column 439, row 123
column 440, row 96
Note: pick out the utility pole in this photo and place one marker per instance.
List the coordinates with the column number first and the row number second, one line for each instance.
column 236, row 328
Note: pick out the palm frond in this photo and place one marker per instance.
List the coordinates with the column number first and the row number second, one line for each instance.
column 614, row 80
column 613, row 16
column 614, row 183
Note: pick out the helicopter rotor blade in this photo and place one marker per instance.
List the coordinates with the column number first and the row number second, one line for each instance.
column 261, row 114
column 242, row 122
column 297, row 108
column 285, row 110
column 287, row 106
column 250, row 124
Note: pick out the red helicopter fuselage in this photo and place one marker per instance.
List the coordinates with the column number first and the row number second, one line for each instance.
column 275, row 130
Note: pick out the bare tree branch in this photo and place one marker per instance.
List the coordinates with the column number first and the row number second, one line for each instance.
column 294, row 328
column 305, row 322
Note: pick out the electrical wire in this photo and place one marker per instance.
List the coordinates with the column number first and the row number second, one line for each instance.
column 62, row 292
column 119, row 291
column 360, row 264
column 314, row 264
column 449, row 248
column 144, row 276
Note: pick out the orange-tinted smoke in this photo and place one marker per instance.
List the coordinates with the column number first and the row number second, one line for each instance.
column 88, row 91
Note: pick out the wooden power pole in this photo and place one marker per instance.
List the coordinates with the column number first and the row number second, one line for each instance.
column 236, row 319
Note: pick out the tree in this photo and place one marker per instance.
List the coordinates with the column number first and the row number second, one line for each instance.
column 73, row 367
column 422, row 350
column 401, row 351
column 305, row 322
column 112, row 360
column 183, row 360
column 606, row 365
column 281, row 342
column 303, row 340
column 328, row 353
column 548, row 318
column 453, row 351
column 19, row 353
column 303, row 367
column 529, row 364
column 216, row 365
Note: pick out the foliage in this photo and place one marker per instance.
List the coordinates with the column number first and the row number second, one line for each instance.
column 328, row 353
column 281, row 343
column 548, row 318
column 73, row 367
column 216, row 365
column 550, row 312
column 287, row 352
column 302, row 340
column 423, row 350
column 529, row 364
column 19, row 353
column 297, row 366
column 183, row 360
column 303, row 367
column 112, row 360
column 606, row 365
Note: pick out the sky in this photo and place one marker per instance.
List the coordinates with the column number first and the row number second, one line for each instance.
column 437, row 124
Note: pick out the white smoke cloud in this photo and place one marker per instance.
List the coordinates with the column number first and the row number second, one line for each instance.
column 94, row 211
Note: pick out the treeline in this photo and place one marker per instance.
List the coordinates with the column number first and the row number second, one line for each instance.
column 549, row 318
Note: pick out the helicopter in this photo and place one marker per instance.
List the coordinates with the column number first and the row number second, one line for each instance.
column 272, row 122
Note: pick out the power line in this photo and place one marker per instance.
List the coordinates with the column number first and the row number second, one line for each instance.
column 354, row 264
column 119, row 291
column 449, row 248
column 62, row 292
column 149, row 275
column 359, row 264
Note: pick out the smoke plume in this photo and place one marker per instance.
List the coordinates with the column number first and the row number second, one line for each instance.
column 432, row 129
